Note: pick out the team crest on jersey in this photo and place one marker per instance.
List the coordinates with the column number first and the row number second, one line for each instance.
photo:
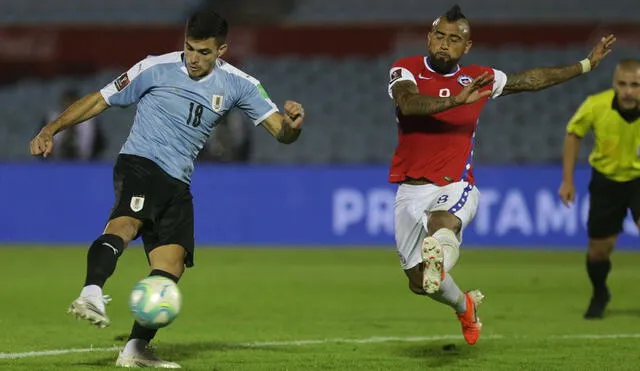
column 137, row 203
column 122, row 81
column 465, row 80
column 216, row 102
column 396, row 74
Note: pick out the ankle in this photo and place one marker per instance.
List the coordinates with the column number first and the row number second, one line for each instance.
column 91, row 290
column 135, row 345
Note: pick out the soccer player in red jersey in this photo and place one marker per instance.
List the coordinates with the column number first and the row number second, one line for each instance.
column 438, row 103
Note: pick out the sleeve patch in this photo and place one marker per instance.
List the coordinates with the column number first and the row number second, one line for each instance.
column 395, row 75
column 122, row 81
column 263, row 93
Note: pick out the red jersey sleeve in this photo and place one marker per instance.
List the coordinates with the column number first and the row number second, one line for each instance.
column 401, row 70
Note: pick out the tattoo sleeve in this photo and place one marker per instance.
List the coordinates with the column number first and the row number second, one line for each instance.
column 412, row 103
column 540, row 78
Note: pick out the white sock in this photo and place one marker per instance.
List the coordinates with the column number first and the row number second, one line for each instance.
column 135, row 346
column 91, row 290
column 451, row 295
column 450, row 247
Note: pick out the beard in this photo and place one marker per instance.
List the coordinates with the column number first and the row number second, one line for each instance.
column 628, row 108
column 442, row 65
column 629, row 105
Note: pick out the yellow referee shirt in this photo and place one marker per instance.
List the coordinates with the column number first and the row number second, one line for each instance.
column 616, row 152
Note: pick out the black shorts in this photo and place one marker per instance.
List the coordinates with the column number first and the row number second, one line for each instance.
column 164, row 204
column 608, row 204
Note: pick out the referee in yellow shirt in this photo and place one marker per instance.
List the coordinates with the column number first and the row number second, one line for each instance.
column 614, row 117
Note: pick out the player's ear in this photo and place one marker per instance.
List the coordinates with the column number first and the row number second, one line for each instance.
column 467, row 47
column 222, row 49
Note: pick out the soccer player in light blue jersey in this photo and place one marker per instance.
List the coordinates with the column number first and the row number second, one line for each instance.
column 180, row 98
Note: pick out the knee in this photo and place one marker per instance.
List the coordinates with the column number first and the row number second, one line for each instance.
column 169, row 258
column 443, row 219
column 600, row 249
column 124, row 227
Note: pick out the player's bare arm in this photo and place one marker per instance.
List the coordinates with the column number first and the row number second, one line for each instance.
column 412, row 103
column 571, row 147
column 286, row 128
column 544, row 77
column 82, row 110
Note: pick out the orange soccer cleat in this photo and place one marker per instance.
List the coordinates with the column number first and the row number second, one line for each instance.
column 471, row 324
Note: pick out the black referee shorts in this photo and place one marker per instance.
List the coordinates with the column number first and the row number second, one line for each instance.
column 164, row 204
column 608, row 204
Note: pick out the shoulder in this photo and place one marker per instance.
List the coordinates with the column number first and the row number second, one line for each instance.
column 236, row 74
column 158, row 60
column 602, row 99
column 411, row 63
column 476, row 69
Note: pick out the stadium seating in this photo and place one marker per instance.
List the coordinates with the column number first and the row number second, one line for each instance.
column 318, row 11
column 354, row 11
column 87, row 12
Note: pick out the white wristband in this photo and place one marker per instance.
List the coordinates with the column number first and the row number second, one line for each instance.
column 586, row 65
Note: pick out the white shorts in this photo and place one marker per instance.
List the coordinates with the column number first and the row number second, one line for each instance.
column 414, row 202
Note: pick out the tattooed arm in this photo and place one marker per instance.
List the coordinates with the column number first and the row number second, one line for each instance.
column 540, row 78
column 412, row 103
column 544, row 77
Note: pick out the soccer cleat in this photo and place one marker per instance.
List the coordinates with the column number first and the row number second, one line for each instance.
column 92, row 309
column 597, row 305
column 142, row 356
column 471, row 324
column 433, row 260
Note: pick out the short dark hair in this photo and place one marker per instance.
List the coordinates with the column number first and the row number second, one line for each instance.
column 629, row 63
column 454, row 14
column 206, row 23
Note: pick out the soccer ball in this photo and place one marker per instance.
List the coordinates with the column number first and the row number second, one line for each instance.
column 155, row 302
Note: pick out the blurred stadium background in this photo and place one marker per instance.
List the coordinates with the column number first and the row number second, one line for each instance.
column 327, row 190
column 333, row 56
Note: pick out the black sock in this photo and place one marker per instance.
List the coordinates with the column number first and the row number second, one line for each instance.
column 598, row 271
column 102, row 258
column 140, row 332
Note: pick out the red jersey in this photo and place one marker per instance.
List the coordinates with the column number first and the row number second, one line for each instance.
column 438, row 148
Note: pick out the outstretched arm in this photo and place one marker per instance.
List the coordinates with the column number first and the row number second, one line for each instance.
column 85, row 108
column 544, row 77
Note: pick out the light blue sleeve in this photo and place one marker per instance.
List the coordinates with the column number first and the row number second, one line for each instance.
column 129, row 87
column 254, row 101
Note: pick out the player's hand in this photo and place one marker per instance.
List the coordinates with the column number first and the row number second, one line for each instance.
column 601, row 50
column 42, row 144
column 567, row 193
column 293, row 114
column 471, row 93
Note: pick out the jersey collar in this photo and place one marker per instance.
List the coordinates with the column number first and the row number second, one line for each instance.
column 629, row 115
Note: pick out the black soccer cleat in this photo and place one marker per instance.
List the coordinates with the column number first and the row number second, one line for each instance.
column 597, row 305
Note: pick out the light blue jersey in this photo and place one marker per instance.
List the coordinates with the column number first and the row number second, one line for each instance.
column 175, row 114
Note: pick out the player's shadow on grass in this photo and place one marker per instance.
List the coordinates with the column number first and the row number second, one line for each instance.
column 179, row 352
column 437, row 354
column 623, row 312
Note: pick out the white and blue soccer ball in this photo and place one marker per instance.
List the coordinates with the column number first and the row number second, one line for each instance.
column 155, row 302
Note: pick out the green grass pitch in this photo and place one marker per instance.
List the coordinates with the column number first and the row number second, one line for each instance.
column 327, row 309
